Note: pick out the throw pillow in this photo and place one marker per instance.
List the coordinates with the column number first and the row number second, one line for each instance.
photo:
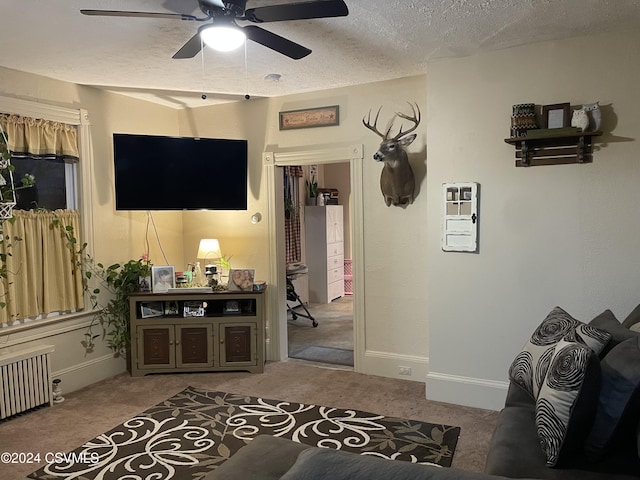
column 632, row 318
column 592, row 337
column 530, row 366
column 567, row 400
column 619, row 333
column 619, row 394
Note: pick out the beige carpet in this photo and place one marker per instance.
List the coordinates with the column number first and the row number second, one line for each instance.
column 100, row 407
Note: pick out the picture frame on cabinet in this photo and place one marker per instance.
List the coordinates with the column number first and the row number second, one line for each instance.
column 556, row 116
column 193, row 309
column 163, row 278
column 151, row 309
column 241, row 280
column 171, row 308
column 231, row 307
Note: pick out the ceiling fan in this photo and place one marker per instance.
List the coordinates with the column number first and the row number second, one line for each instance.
column 223, row 15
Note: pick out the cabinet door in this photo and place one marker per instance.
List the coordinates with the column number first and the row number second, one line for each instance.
column 194, row 347
column 335, row 223
column 238, row 344
column 156, row 347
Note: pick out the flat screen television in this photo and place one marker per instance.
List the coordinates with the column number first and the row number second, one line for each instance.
column 155, row 172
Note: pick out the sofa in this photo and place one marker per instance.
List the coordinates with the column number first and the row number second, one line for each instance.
column 572, row 411
column 600, row 434
column 273, row 458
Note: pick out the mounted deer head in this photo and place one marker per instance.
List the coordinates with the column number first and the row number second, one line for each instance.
column 396, row 181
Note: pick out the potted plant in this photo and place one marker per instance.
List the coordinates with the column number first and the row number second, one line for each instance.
column 312, row 191
column 120, row 280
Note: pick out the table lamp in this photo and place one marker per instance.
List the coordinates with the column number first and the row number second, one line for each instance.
column 209, row 249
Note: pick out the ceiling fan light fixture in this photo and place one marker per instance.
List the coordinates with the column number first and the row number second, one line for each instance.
column 223, row 38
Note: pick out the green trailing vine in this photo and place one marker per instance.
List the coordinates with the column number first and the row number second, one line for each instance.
column 120, row 280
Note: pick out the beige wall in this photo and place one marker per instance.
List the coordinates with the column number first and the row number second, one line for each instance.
column 554, row 235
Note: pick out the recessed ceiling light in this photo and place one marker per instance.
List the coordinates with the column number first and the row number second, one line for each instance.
column 273, row 77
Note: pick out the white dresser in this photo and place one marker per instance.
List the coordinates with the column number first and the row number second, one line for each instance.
column 324, row 234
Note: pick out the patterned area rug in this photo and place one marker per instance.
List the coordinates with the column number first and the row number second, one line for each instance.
column 192, row 433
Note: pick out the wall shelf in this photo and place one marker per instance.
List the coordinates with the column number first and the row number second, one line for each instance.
column 554, row 150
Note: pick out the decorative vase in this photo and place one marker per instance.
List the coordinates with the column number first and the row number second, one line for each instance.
column 312, row 201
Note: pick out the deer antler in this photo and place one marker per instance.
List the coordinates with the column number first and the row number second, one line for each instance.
column 415, row 119
column 374, row 127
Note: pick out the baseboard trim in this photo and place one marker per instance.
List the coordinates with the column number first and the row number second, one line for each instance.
column 88, row 372
column 387, row 364
column 469, row 391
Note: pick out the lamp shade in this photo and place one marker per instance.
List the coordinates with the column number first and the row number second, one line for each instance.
column 223, row 38
column 209, row 248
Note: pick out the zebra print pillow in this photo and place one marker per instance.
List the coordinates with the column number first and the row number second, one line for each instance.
column 530, row 366
column 567, row 400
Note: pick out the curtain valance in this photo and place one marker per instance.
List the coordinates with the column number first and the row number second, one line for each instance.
column 40, row 138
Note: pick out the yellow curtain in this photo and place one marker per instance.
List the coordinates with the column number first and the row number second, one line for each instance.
column 42, row 275
column 40, row 138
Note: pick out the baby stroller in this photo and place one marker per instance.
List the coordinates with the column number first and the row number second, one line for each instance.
column 293, row 271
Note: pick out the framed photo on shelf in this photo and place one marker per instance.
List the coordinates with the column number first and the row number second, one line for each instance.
column 151, row 309
column 231, row 307
column 144, row 284
column 193, row 309
column 171, row 308
column 241, row 280
column 163, row 278
column 556, row 116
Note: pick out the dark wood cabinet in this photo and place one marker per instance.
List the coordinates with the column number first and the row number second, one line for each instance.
column 238, row 344
column 197, row 332
column 156, row 346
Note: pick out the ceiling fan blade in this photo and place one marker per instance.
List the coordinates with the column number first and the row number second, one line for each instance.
column 191, row 48
column 276, row 42
column 297, row 11
column 120, row 13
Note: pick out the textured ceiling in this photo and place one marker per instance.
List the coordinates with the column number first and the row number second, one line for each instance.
column 379, row 40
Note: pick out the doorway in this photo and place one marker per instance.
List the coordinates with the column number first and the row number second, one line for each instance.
column 318, row 248
column 277, row 342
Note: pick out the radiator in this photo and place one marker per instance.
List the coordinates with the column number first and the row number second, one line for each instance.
column 25, row 380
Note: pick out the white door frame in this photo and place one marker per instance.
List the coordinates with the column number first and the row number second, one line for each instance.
column 277, row 291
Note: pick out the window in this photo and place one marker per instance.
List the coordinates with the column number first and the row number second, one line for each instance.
column 30, row 298
column 56, row 184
